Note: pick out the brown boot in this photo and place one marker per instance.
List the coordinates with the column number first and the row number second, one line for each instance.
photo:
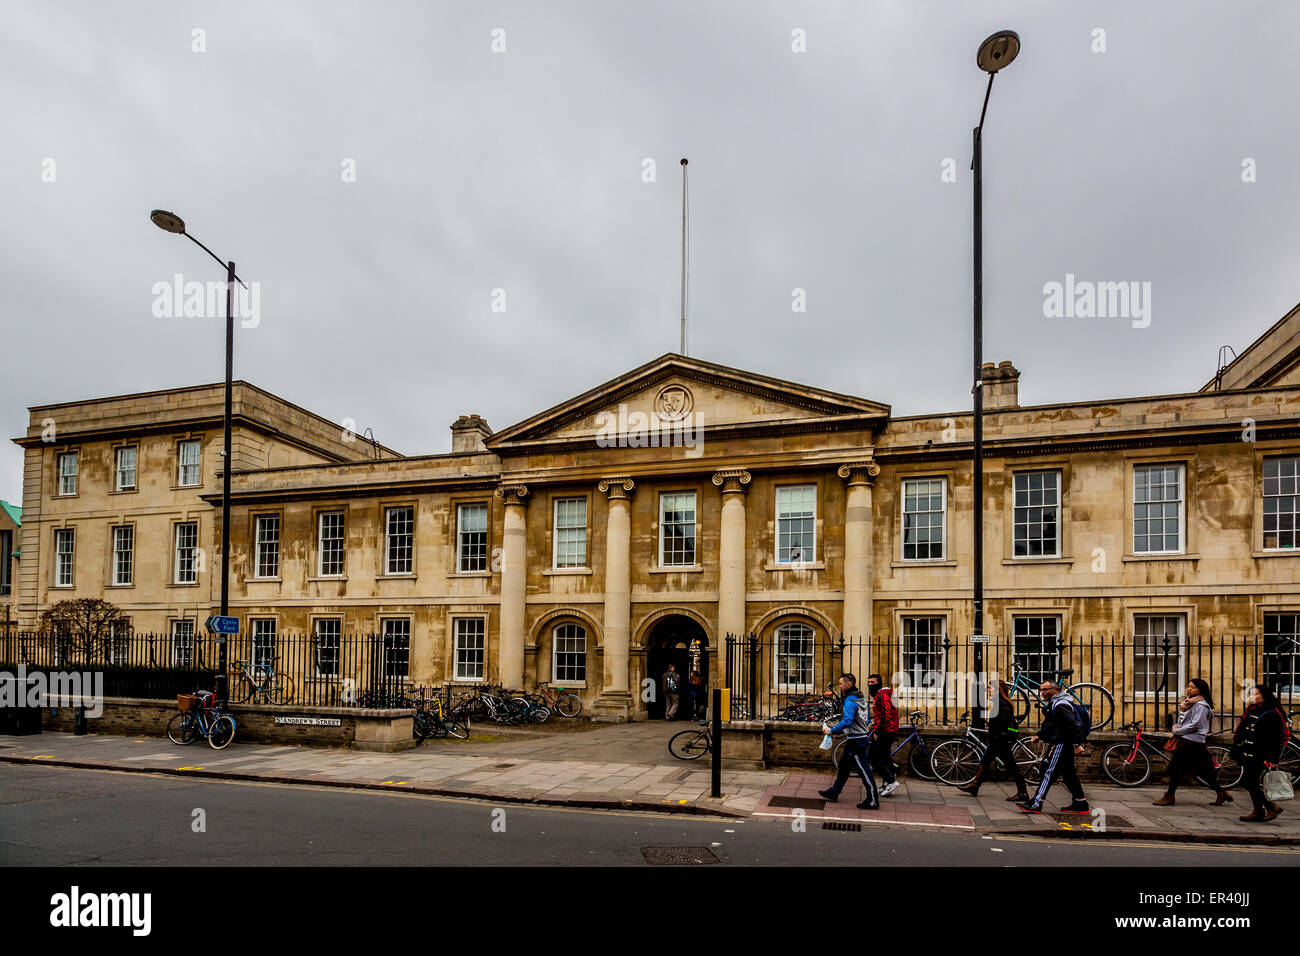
column 1020, row 796
column 1272, row 812
column 1253, row 817
column 973, row 788
column 1166, row 801
column 1223, row 797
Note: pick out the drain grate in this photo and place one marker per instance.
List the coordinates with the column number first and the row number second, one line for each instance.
column 848, row 827
column 798, row 803
column 678, row 855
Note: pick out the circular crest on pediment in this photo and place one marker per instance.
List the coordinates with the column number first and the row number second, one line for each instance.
column 674, row 402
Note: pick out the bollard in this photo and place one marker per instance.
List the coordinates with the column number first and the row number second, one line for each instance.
column 79, row 720
column 717, row 743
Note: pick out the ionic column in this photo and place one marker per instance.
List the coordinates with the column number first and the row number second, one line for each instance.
column 514, row 586
column 615, row 702
column 731, row 555
column 859, row 476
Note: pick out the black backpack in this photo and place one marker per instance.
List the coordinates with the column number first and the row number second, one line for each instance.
column 1083, row 719
column 672, row 683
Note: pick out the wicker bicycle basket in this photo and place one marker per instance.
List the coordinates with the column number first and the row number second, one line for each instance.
column 187, row 702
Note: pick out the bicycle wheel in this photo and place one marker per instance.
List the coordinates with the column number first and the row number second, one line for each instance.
column 919, row 762
column 222, row 732
column 1290, row 762
column 182, row 729
column 689, row 744
column 1126, row 764
column 280, row 690
column 1029, row 759
column 835, row 754
column 1100, row 704
column 421, row 726
column 1020, row 703
column 456, row 729
column 1227, row 771
column 242, row 690
column 955, row 762
column 569, row 705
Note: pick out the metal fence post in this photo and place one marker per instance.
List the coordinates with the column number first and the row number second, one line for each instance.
column 717, row 743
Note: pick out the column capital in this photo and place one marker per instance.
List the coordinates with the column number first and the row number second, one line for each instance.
column 859, row 472
column 618, row 486
column 513, row 494
column 731, row 480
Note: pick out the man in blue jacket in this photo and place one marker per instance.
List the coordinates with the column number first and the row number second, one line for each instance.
column 855, row 721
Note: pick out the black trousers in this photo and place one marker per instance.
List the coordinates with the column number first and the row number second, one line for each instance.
column 879, row 755
column 1254, row 770
column 854, row 759
column 1194, row 758
column 1000, row 748
column 1060, row 766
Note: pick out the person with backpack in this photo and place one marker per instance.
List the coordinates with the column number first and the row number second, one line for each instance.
column 1257, row 745
column 672, row 691
column 856, row 726
column 1190, row 754
column 884, row 728
column 1002, row 733
column 1066, row 725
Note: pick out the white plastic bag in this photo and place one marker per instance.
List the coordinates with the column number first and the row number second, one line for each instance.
column 827, row 743
column 1277, row 786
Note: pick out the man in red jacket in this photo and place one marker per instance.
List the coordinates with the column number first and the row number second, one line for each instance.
column 884, row 728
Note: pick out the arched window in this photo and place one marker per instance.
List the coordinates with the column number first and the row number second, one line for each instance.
column 569, row 654
column 794, row 658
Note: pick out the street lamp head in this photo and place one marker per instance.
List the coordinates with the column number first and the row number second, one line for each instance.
column 998, row 51
column 168, row 221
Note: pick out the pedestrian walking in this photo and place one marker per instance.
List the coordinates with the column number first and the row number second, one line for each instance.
column 884, row 729
column 1189, row 754
column 1257, row 744
column 1064, row 729
column 697, row 694
column 1003, row 732
column 672, row 691
column 855, row 723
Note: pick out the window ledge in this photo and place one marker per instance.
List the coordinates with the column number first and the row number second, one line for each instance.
column 469, row 574
column 1063, row 559
column 1276, row 553
column 125, row 491
column 183, row 584
column 1195, row 556
column 805, row 566
column 275, row 580
column 926, row 563
column 560, row 572
column 405, row 576
column 119, row 587
column 326, row 577
column 187, row 487
column 682, row 569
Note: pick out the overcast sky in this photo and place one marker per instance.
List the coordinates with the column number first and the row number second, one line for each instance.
column 523, row 170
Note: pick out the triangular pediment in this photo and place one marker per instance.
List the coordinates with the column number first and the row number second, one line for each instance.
column 676, row 389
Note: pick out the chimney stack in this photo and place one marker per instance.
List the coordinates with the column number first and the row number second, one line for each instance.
column 468, row 433
column 1001, row 386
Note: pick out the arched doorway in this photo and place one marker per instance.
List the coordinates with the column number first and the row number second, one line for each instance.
column 680, row 641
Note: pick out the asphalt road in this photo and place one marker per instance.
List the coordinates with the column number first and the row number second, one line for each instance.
column 51, row 816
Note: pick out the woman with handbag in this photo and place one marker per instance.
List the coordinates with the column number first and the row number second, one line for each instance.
column 1257, row 744
column 1188, row 753
column 1002, row 734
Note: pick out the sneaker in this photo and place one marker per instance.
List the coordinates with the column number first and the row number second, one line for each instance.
column 888, row 788
column 1077, row 806
column 1029, row 808
column 829, row 795
column 869, row 805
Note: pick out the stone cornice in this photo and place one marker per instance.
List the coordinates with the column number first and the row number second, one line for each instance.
column 732, row 480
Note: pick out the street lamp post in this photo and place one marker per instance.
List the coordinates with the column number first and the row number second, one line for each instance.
column 170, row 222
column 996, row 52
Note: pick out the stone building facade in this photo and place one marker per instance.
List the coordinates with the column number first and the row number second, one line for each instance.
column 676, row 504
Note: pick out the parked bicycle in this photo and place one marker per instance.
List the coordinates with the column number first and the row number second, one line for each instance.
column 1024, row 689
column 565, row 703
column 691, row 744
column 918, row 759
column 201, row 716
column 1128, row 762
column 429, row 720
column 272, row 686
column 956, row 761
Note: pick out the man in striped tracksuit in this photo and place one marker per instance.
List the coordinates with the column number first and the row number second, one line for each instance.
column 1063, row 733
column 856, row 724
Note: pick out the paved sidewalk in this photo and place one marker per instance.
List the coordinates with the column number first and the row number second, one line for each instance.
column 492, row 771
column 1125, row 813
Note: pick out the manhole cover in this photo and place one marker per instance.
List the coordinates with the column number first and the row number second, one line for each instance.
column 678, row 855
column 798, row 803
column 836, row 825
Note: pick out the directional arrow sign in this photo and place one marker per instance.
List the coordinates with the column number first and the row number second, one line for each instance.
column 216, row 624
